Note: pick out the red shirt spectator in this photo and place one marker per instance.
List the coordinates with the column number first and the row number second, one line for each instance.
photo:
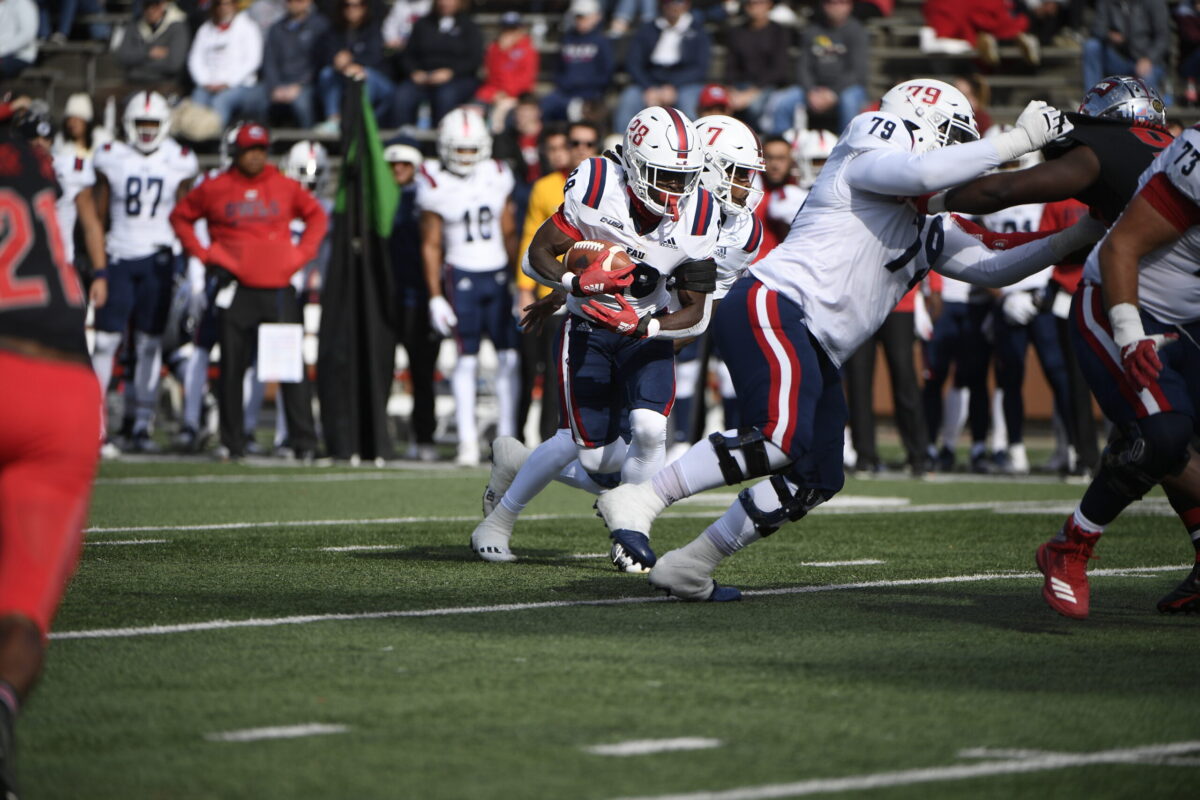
column 510, row 63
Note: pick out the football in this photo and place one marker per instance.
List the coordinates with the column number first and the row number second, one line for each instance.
column 584, row 253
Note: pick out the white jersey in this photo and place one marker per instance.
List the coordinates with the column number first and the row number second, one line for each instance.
column 857, row 246
column 596, row 206
column 1026, row 218
column 471, row 207
column 1168, row 281
column 738, row 241
column 74, row 174
column 142, row 190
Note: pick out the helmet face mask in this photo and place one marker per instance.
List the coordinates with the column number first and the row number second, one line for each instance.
column 463, row 141
column 663, row 159
column 733, row 162
column 937, row 114
column 1126, row 98
column 147, row 121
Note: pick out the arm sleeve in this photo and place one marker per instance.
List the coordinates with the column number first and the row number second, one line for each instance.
column 695, row 330
column 183, row 220
column 969, row 259
column 891, row 171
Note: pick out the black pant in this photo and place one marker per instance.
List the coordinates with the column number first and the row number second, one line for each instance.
column 238, row 334
column 1081, row 427
column 421, row 344
column 897, row 338
column 537, row 358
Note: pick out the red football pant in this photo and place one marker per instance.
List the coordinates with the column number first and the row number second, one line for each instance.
column 49, row 445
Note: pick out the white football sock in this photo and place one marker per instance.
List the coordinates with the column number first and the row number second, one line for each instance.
column 575, row 476
column 195, row 380
column 647, row 446
column 462, row 382
column 543, row 465
column 954, row 416
column 103, row 355
column 281, row 430
column 698, row 470
column 508, row 387
column 146, row 375
column 999, row 429
column 734, row 530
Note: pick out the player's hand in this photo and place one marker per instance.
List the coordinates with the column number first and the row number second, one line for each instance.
column 624, row 320
column 537, row 312
column 442, row 316
column 98, row 293
column 1042, row 123
column 1140, row 359
column 595, row 279
column 1019, row 308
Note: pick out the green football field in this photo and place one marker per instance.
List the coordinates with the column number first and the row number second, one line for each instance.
column 242, row 631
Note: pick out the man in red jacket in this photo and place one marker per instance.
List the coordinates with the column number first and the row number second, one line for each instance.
column 249, row 208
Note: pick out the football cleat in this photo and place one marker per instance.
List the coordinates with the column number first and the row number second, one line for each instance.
column 631, row 552
column 630, row 507
column 468, row 456
column 1065, row 566
column 8, row 785
column 1185, row 597
column 490, row 540
column 508, row 456
column 686, row 573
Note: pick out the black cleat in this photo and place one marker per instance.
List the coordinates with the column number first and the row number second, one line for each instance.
column 631, row 551
column 1185, row 597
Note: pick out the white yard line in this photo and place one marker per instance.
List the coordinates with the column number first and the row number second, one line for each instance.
column 299, row 477
column 859, row 562
column 277, row 732
column 358, row 548
column 641, row 747
column 270, row 622
column 1152, row 754
column 130, row 541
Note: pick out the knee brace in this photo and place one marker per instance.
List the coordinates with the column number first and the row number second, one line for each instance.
column 1144, row 452
column 792, row 505
column 753, row 444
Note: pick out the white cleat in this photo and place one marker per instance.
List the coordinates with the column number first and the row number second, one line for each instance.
column 686, row 573
column 508, row 456
column 630, row 507
column 1018, row 460
column 467, row 457
column 490, row 540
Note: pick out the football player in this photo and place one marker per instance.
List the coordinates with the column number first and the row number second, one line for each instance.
column 468, row 244
column 49, row 426
column 137, row 184
column 616, row 345
column 786, row 327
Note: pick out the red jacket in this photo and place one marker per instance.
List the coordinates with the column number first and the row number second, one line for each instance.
column 248, row 221
column 513, row 70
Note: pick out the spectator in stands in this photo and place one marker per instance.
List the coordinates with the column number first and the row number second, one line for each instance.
column 832, row 73
column 869, row 9
column 441, row 62
column 398, row 25
column 979, row 95
column 67, row 9
column 266, row 13
column 18, row 36
column 353, row 49
column 627, row 14
column 79, row 135
column 290, row 60
column 667, row 63
column 980, row 24
column 759, row 70
column 224, row 61
column 518, row 144
column 1055, row 21
column 510, row 69
column 585, row 64
column 153, row 50
column 714, row 100
column 412, row 301
column 1129, row 37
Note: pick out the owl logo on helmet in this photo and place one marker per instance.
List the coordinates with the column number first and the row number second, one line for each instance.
column 463, row 140
column 935, row 113
column 307, row 163
column 147, row 121
column 733, row 162
column 1127, row 98
column 663, row 159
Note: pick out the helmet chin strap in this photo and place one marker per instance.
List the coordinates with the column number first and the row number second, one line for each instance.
column 643, row 218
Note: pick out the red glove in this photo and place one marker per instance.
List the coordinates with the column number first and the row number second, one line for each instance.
column 595, row 279
column 1140, row 359
column 623, row 320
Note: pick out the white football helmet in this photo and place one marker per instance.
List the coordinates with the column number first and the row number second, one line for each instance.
column 936, row 113
column 732, row 157
column 811, row 150
column 147, row 121
column 308, row 163
column 463, row 140
column 1023, row 162
column 663, row 158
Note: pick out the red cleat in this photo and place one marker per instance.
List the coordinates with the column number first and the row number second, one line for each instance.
column 1065, row 566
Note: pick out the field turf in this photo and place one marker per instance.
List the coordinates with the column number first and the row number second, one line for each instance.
column 207, row 605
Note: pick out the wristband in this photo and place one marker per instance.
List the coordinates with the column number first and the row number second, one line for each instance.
column 100, row 275
column 1126, row 324
column 651, row 327
column 936, row 204
column 569, row 282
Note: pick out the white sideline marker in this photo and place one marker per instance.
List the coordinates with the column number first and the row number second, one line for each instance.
column 277, row 732
column 271, row 622
column 641, row 747
column 1150, row 754
column 130, row 541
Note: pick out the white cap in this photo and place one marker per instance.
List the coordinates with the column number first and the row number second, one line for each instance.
column 79, row 105
column 583, row 8
column 402, row 153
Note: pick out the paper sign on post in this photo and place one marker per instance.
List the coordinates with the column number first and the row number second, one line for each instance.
column 280, row 352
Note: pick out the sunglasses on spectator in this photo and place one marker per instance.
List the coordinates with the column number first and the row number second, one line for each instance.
column 582, row 142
